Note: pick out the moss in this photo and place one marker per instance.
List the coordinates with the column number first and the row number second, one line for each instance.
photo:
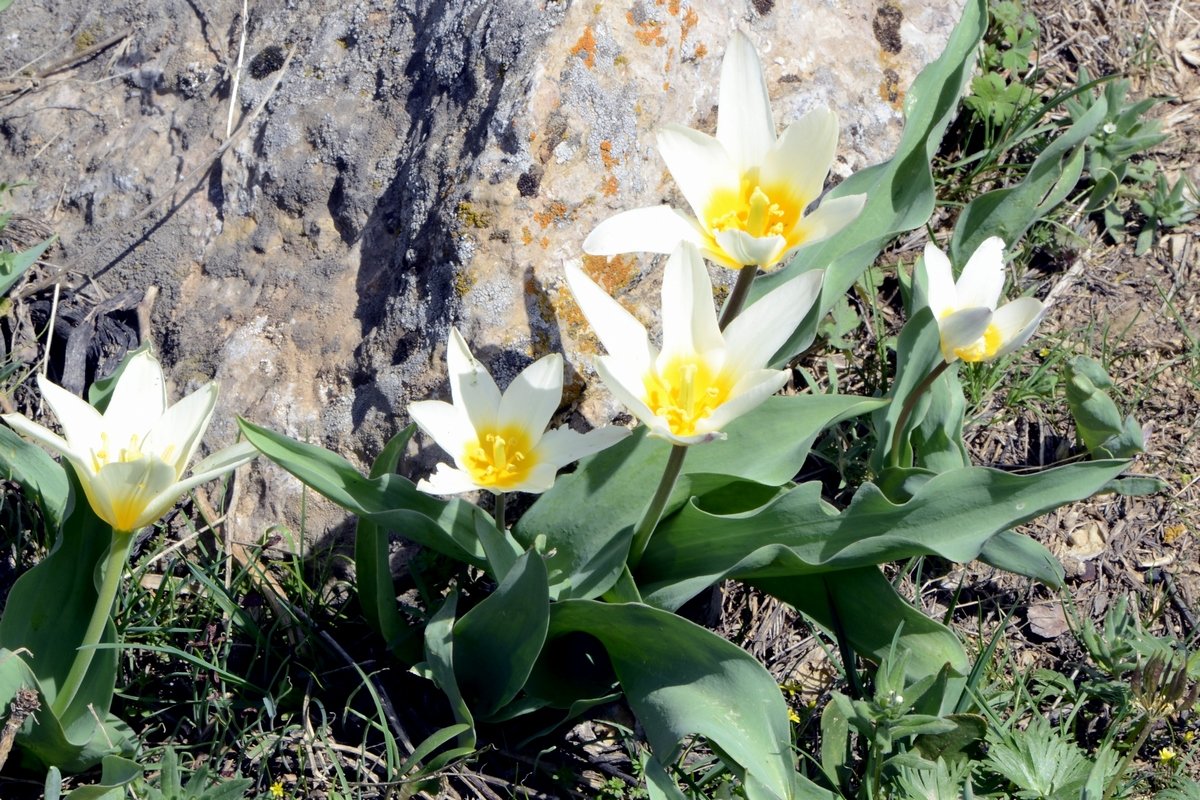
column 86, row 38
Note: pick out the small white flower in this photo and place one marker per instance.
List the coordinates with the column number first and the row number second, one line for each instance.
column 499, row 442
column 747, row 189
column 131, row 459
column 971, row 326
column 703, row 378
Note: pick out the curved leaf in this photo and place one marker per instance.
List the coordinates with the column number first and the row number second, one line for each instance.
column 683, row 680
column 865, row 606
column 497, row 642
column 43, row 478
column 951, row 515
column 389, row 501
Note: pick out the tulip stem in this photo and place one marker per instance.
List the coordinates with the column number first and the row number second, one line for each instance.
column 737, row 297
column 909, row 404
column 498, row 510
column 649, row 520
column 114, row 567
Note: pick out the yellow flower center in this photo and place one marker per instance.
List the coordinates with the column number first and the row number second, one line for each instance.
column 983, row 348
column 758, row 209
column 107, row 454
column 500, row 458
column 685, row 392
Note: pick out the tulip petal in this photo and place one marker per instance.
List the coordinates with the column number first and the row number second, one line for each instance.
column 939, row 279
column 617, row 329
column 749, row 393
column 982, row 279
column 446, row 424
column 802, row 157
column 962, row 329
column 700, row 165
column 689, row 318
column 1016, row 322
column 540, row 479
column 744, row 123
column 471, row 387
column 654, row 229
column 744, row 249
column 225, row 459
column 130, row 495
column 532, row 398
column 828, row 218
column 627, row 394
column 175, row 435
column 761, row 329
column 40, row 434
column 139, row 398
column 80, row 422
column 563, row 446
column 447, row 480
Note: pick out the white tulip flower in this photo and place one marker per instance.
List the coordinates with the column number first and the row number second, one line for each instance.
column 703, row 378
column 748, row 190
column 131, row 459
column 972, row 328
column 499, row 442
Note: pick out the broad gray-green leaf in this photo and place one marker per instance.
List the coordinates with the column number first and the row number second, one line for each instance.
column 1012, row 552
column 389, row 501
column 39, row 475
column 376, row 590
column 1009, row 212
column 950, row 515
column 767, row 446
column 17, row 263
column 864, row 605
column 497, row 642
column 683, row 680
column 439, row 655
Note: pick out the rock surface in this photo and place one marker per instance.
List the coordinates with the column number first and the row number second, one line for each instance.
column 392, row 169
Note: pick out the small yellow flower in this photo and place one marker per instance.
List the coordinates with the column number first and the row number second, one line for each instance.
column 1167, row 756
column 499, row 441
column 277, row 789
column 751, row 192
column 971, row 325
column 793, row 716
column 131, row 460
column 1189, row 737
column 702, row 378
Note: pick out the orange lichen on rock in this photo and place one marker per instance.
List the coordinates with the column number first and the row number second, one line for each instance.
column 557, row 212
column 673, row 8
column 586, row 46
column 606, row 155
column 689, row 22
column 612, row 274
column 648, row 32
column 609, row 186
column 526, row 236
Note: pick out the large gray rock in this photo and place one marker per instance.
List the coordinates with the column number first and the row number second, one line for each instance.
column 419, row 164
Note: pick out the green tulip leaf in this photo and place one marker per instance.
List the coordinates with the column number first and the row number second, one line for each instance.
column 1012, row 552
column 497, row 642
column 865, row 607
column 1009, row 212
column 682, row 680
column 439, row 657
column 42, row 478
column 45, row 618
column 376, row 589
column 900, row 191
column 115, row 774
column 951, row 515
column 589, row 549
column 389, row 501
